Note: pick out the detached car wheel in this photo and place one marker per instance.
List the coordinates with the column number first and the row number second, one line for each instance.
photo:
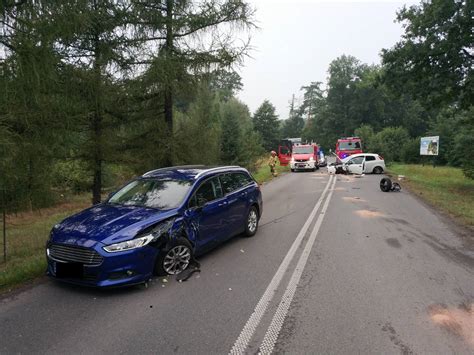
column 175, row 259
column 385, row 184
column 251, row 223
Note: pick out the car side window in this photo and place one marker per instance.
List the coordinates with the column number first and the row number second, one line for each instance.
column 243, row 179
column 234, row 181
column 357, row 160
column 208, row 191
column 369, row 158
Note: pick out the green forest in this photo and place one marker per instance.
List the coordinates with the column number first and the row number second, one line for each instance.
column 94, row 92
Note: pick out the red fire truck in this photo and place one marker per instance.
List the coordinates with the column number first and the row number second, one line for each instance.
column 348, row 146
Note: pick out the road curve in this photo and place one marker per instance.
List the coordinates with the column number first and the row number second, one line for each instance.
column 337, row 266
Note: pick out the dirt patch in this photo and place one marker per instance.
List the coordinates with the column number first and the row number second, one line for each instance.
column 369, row 214
column 456, row 320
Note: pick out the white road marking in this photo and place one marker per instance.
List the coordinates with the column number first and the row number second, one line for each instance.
column 247, row 332
column 274, row 329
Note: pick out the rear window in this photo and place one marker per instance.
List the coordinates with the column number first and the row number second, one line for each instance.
column 349, row 145
column 369, row 158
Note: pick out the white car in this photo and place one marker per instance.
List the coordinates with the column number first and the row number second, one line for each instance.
column 364, row 163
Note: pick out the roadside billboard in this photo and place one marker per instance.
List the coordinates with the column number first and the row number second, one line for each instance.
column 429, row 145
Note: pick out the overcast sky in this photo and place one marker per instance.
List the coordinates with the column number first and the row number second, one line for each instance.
column 298, row 39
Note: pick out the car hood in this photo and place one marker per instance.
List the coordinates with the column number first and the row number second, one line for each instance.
column 107, row 223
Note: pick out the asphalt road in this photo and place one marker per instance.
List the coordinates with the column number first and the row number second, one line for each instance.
column 337, row 266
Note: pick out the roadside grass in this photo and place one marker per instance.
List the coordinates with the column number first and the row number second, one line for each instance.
column 27, row 234
column 263, row 174
column 443, row 187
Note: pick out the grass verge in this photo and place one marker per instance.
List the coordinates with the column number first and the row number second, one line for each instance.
column 27, row 234
column 263, row 174
column 443, row 187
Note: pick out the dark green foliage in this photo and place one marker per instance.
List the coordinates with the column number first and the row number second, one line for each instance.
column 410, row 151
column 390, row 142
column 266, row 123
column 90, row 88
column 434, row 59
column 366, row 134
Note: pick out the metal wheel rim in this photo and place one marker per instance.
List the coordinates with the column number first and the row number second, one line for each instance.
column 252, row 221
column 177, row 260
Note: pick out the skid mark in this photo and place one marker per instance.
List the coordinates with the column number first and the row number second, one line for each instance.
column 368, row 214
column 456, row 320
column 394, row 337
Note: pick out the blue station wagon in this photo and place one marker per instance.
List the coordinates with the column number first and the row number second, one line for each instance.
column 155, row 224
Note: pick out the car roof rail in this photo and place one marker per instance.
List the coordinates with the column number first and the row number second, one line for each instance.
column 151, row 172
column 217, row 169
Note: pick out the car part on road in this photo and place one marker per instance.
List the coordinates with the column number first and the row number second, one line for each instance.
column 188, row 273
column 386, row 185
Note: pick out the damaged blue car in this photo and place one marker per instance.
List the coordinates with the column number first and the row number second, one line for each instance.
column 156, row 224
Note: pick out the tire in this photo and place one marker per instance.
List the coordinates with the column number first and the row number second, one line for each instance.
column 385, row 184
column 175, row 258
column 251, row 222
column 377, row 170
column 292, row 170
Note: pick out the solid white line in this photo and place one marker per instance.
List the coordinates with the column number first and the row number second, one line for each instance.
column 247, row 332
column 274, row 329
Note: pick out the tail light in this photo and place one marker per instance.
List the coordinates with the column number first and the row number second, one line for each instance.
column 380, row 157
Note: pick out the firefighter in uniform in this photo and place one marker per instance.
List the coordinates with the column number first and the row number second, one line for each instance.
column 272, row 163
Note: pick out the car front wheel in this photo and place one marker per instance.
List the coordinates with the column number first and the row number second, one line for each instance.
column 175, row 259
column 251, row 224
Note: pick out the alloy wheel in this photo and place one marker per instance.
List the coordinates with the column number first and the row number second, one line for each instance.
column 177, row 260
column 252, row 221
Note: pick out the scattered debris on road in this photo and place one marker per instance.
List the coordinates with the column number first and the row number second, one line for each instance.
column 386, row 185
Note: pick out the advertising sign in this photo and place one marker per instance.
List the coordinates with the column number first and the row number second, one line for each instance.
column 429, row 145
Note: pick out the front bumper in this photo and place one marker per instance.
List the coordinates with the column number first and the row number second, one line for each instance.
column 305, row 165
column 116, row 269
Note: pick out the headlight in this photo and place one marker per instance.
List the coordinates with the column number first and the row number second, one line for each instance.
column 292, row 160
column 129, row 244
column 139, row 242
column 311, row 158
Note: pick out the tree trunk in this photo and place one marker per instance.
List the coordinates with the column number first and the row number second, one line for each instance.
column 168, row 104
column 97, row 140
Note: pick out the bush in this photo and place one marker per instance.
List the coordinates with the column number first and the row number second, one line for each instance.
column 389, row 142
column 411, row 151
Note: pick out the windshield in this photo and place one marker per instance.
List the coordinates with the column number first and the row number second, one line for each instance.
column 303, row 150
column 349, row 145
column 154, row 193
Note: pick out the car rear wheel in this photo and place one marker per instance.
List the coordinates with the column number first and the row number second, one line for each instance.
column 378, row 170
column 175, row 259
column 251, row 223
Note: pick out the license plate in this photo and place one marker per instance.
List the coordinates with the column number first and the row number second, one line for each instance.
column 301, row 165
column 69, row 270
